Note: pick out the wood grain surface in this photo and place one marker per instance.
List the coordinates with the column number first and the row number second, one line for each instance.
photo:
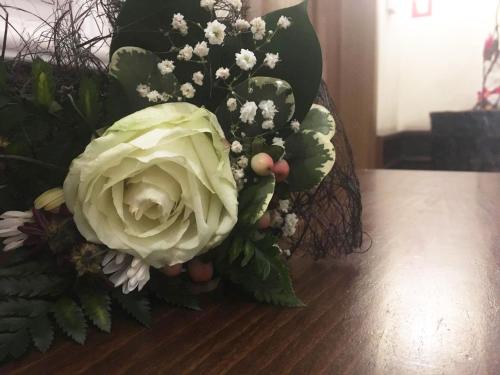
column 425, row 299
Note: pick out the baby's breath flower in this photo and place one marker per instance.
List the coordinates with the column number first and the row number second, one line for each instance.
column 258, row 28
column 291, row 221
column 232, row 104
column 241, row 24
column 198, row 78
column 268, row 109
column 207, row 4
column 278, row 142
column 166, row 67
column 188, row 90
column 222, row 73
column 179, row 24
column 236, row 4
column 154, row 96
column 246, row 59
column 276, row 219
column 284, row 22
column 143, row 90
column 215, row 32
column 271, row 60
column 236, row 147
column 248, row 112
column 268, row 125
column 201, row 49
column 242, row 162
column 295, row 125
column 185, row 53
column 284, row 205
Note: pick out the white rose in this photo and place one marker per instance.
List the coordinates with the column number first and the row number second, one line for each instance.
column 157, row 185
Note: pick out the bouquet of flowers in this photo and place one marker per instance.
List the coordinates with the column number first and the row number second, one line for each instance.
column 172, row 173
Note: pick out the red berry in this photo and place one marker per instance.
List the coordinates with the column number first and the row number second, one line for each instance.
column 200, row 272
column 281, row 170
column 262, row 164
column 173, row 271
column 265, row 221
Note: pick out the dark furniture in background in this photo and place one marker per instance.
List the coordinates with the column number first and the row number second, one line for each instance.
column 423, row 300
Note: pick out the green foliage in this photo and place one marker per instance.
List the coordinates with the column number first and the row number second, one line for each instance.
column 44, row 85
column 300, row 53
column 259, row 145
column 32, row 286
column 97, row 306
column 257, row 89
column 173, row 290
column 89, row 100
column 137, row 305
column 254, row 200
column 319, row 119
column 261, row 271
column 42, row 332
column 132, row 66
column 69, row 316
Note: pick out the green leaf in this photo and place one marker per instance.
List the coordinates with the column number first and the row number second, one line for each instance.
column 174, row 290
column 23, row 307
column 27, row 268
column 254, row 200
column 14, row 344
column 311, row 157
column 44, row 85
column 70, row 318
column 97, row 305
column 248, row 253
column 12, row 324
column 260, row 145
column 32, row 286
column 257, row 89
column 89, row 99
column 132, row 66
column 319, row 119
column 300, row 55
column 42, row 332
column 265, row 276
column 134, row 304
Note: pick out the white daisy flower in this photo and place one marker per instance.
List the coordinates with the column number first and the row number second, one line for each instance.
column 188, row 90
column 201, row 49
column 246, row 59
column 215, row 32
column 126, row 271
column 248, row 112
column 10, row 222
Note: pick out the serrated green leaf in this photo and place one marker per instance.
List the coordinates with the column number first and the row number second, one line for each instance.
column 300, row 54
column 254, row 200
column 69, row 316
column 311, row 157
column 132, row 66
column 26, row 268
column 42, row 332
column 258, row 89
column 134, row 304
column 14, row 344
column 263, row 265
column 174, row 290
column 12, row 324
column 23, row 307
column 319, row 119
column 260, row 145
column 248, row 253
column 97, row 307
column 32, row 286
column 236, row 249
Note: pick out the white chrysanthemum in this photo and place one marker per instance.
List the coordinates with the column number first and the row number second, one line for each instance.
column 154, row 96
column 258, row 28
column 248, row 112
column 278, row 142
column 207, row 4
column 236, row 4
column 198, row 78
column 268, row 109
column 222, row 73
column 236, row 147
column 166, row 67
column 215, row 32
column 232, row 104
column 185, row 53
column 284, row 205
column 242, row 162
column 241, row 24
column 271, row 60
column 126, row 271
column 246, row 59
column 10, row 222
column 143, row 90
column 295, row 125
column 268, row 125
column 290, row 226
column 284, row 22
column 201, row 49
column 179, row 24
column 276, row 219
column 188, row 90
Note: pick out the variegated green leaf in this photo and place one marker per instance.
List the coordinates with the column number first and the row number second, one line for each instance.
column 258, row 89
column 255, row 199
column 311, row 156
column 319, row 119
column 133, row 66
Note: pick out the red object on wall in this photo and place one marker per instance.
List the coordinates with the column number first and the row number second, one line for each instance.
column 422, row 8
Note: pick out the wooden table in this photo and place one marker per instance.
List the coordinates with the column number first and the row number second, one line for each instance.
column 424, row 300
